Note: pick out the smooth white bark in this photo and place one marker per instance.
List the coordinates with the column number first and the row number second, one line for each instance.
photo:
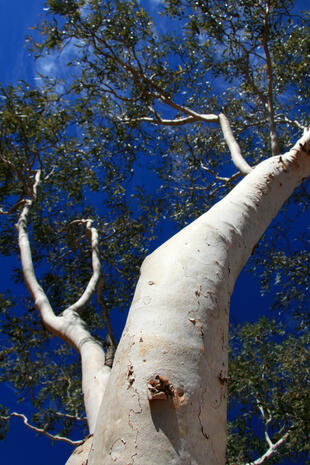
column 177, row 328
column 69, row 326
column 273, row 449
column 80, row 454
column 233, row 146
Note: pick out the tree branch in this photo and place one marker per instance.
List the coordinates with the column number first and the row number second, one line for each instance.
column 139, row 76
column 58, row 325
column 286, row 120
column 233, row 146
column 13, row 208
column 270, row 452
column 41, row 301
column 273, row 447
column 71, row 417
column 69, row 326
column 244, row 68
column 266, row 420
column 105, row 311
column 175, row 122
column 91, row 286
column 273, row 133
column 41, row 430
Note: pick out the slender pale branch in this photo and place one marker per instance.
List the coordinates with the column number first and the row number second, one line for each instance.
column 41, row 430
column 159, row 121
column 233, row 146
column 210, row 118
column 266, row 420
column 55, row 324
column 272, row 447
column 41, row 301
column 183, row 109
column 69, row 326
column 71, row 417
column 282, row 119
column 270, row 452
column 91, row 286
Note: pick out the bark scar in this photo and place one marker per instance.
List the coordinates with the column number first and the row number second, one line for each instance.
column 159, row 388
column 223, row 379
column 130, row 376
column 136, row 412
column 205, row 435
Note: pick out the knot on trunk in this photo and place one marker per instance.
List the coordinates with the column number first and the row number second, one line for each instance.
column 159, row 388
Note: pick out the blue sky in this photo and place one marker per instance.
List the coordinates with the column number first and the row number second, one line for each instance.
column 22, row 446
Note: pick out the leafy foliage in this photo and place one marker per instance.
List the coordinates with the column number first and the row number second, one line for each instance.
column 269, row 391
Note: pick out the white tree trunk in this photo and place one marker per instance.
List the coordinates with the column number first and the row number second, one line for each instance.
column 165, row 402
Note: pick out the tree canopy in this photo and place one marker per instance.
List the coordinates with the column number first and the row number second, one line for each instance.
column 139, row 126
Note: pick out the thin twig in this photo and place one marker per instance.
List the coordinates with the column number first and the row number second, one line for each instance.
column 71, row 417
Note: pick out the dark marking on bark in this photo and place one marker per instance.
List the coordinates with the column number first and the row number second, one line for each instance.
column 304, row 148
column 254, row 248
column 205, row 435
column 223, row 379
column 283, row 166
column 198, row 291
column 130, row 376
column 195, row 321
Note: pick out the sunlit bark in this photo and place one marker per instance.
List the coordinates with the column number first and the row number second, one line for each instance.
column 177, row 329
column 68, row 326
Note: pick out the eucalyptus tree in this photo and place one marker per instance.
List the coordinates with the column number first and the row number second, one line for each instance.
column 209, row 93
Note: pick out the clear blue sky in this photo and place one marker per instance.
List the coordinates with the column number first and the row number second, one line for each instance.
column 22, row 446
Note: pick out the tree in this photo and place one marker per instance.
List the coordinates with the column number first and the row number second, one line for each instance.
column 133, row 91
